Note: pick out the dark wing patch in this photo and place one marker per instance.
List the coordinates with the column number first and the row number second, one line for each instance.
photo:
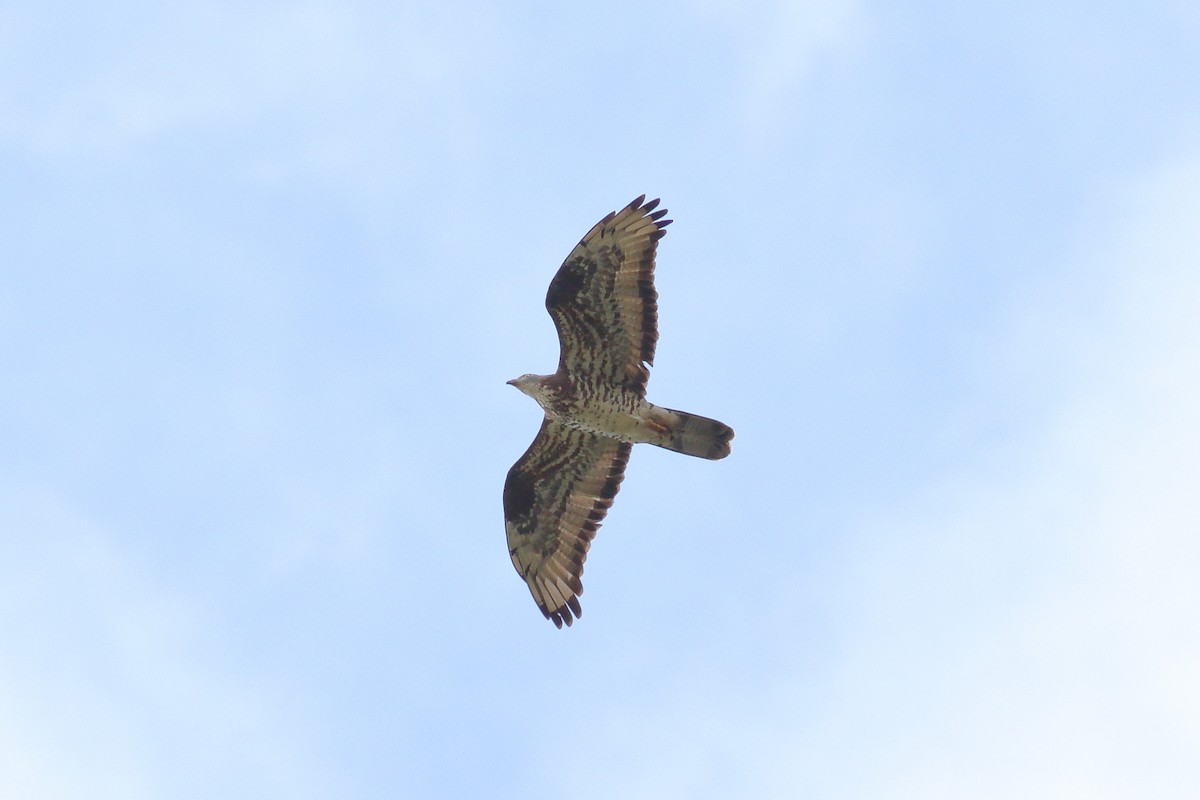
column 603, row 300
column 555, row 497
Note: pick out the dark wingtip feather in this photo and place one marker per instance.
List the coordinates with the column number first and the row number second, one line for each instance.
column 565, row 614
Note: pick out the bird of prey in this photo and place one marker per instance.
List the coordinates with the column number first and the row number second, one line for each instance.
column 605, row 308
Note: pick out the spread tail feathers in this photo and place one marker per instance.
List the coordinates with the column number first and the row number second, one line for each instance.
column 692, row 434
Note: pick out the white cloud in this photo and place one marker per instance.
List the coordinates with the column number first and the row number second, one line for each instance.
column 109, row 686
column 796, row 34
column 1043, row 608
column 303, row 67
column 158, row 74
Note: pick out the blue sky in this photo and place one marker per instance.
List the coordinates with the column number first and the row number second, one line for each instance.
column 265, row 268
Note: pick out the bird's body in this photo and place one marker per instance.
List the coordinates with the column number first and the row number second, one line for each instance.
column 604, row 307
column 621, row 414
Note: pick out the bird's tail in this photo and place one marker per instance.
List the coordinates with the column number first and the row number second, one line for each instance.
column 691, row 434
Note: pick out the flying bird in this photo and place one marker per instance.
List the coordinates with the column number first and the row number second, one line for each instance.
column 605, row 308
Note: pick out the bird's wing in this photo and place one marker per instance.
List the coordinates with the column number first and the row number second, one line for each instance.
column 555, row 497
column 603, row 299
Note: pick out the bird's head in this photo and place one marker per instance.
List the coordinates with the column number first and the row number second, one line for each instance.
column 532, row 385
column 524, row 383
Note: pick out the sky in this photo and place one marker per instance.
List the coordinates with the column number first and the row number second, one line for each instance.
column 266, row 267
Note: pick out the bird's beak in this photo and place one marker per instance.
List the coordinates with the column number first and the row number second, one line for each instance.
column 513, row 382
